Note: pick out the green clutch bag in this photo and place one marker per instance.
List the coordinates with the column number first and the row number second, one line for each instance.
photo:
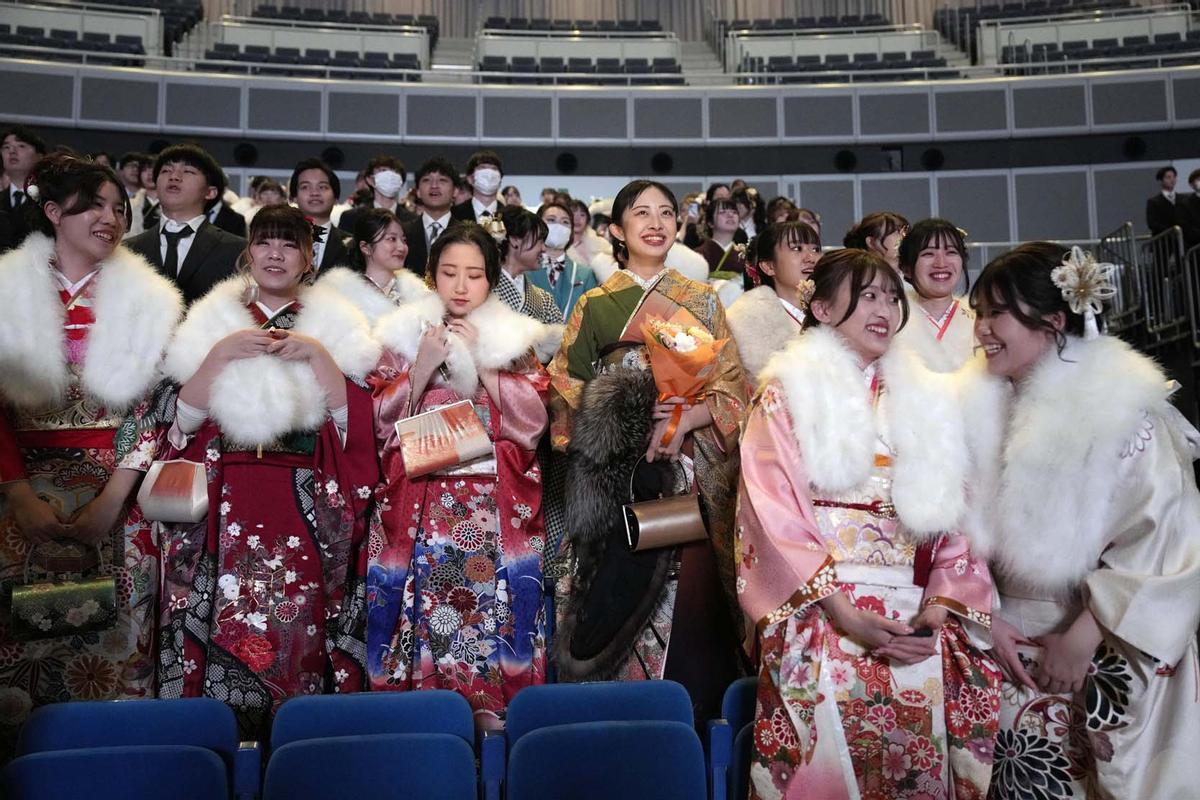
column 65, row 607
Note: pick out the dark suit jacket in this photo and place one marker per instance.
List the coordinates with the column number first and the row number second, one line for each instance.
column 231, row 221
column 465, row 211
column 337, row 243
column 418, row 250
column 1161, row 214
column 1187, row 213
column 350, row 217
column 6, row 232
column 211, row 259
column 18, row 227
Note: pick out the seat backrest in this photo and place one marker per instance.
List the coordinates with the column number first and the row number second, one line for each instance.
column 197, row 721
column 369, row 713
column 133, row 772
column 413, row 766
column 737, row 705
column 604, row 760
column 564, row 703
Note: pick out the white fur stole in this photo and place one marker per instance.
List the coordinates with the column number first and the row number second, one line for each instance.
column 257, row 400
column 366, row 297
column 504, row 336
column 761, row 328
column 836, row 428
column 135, row 307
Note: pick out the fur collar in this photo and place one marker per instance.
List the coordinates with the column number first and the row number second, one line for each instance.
column 955, row 348
column 504, row 337
column 1046, row 458
column 374, row 304
column 760, row 327
column 258, row 400
column 136, row 309
column 837, row 427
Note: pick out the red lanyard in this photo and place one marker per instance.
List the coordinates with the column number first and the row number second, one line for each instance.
column 945, row 325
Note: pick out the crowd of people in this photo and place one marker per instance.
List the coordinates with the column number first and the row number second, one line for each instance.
column 955, row 534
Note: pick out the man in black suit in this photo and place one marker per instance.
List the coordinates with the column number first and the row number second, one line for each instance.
column 1188, row 211
column 227, row 219
column 314, row 188
column 21, row 149
column 385, row 176
column 435, row 192
column 485, row 172
column 185, row 246
column 1161, row 212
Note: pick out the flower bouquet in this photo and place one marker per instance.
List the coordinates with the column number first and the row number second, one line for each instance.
column 683, row 355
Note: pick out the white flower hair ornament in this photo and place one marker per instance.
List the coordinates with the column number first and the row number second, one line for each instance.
column 33, row 192
column 1085, row 284
column 806, row 288
column 494, row 227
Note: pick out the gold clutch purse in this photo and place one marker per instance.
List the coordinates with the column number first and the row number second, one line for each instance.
column 63, row 606
column 663, row 521
column 442, row 438
column 174, row 491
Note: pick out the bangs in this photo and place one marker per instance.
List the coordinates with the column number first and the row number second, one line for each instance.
column 281, row 222
column 864, row 273
column 795, row 232
column 940, row 236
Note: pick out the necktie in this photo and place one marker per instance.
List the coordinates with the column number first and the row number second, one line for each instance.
column 171, row 262
column 554, row 270
column 319, row 232
column 435, row 230
column 18, row 198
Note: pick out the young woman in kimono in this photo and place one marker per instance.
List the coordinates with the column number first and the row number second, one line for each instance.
column 933, row 260
column 879, row 232
column 376, row 280
column 865, row 606
column 766, row 318
column 82, row 334
column 455, row 581
column 668, row 612
column 1088, row 505
column 262, row 600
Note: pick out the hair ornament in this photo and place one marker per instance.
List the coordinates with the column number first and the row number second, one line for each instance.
column 494, row 227
column 806, row 289
column 32, row 191
column 1085, row 284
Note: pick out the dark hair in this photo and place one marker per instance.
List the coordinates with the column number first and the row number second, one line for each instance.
column 314, row 163
column 96, row 156
column 555, row 203
column 1022, row 275
column 878, row 225
column 26, row 135
column 462, row 232
column 711, row 209
column 270, row 185
column 932, row 232
column 510, row 188
column 1158, row 176
column 1193, row 175
column 859, row 268
column 440, row 166
column 194, row 156
column 390, row 162
column 130, row 158
column 777, row 202
column 712, row 189
column 282, row 222
column 369, row 228
column 600, row 218
column 520, row 224
column 484, row 157
column 625, row 198
column 60, row 178
column 778, row 234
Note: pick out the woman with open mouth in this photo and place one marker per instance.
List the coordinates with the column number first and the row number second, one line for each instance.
column 266, row 592
column 866, row 608
column 670, row 611
column 84, row 326
column 933, row 260
column 1085, row 504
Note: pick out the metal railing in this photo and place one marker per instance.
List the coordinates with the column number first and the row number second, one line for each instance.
column 1120, row 248
column 1191, row 261
column 1164, row 288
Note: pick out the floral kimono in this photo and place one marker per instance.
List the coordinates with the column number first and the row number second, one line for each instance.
column 73, row 361
column 263, row 599
column 1088, row 499
column 454, row 589
column 602, row 396
column 852, row 482
column 943, row 344
column 375, row 302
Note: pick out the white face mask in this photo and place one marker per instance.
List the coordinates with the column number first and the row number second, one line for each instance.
column 486, row 180
column 388, row 182
column 559, row 236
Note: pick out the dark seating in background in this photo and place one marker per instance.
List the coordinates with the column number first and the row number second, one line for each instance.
column 342, row 17
column 583, row 71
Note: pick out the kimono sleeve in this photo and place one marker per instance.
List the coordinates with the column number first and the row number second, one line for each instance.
column 571, row 368
column 783, row 564
column 726, row 398
column 1146, row 591
column 522, row 403
column 961, row 584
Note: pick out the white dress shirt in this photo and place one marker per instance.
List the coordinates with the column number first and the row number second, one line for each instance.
column 185, row 243
column 480, row 208
column 427, row 222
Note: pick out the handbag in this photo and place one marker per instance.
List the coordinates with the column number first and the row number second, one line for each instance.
column 174, row 491
column 665, row 520
column 441, row 438
column 63, row 607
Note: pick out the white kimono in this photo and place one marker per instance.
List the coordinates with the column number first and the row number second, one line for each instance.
column 945, row 344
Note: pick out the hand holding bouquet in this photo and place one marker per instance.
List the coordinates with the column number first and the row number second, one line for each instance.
column 683, row 355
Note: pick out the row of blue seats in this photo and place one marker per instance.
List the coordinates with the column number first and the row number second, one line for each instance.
column 804, row 23
column 262, row 60
column 1162, row 44
column 561, row 25
column 341, row 16
column 583, row 741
